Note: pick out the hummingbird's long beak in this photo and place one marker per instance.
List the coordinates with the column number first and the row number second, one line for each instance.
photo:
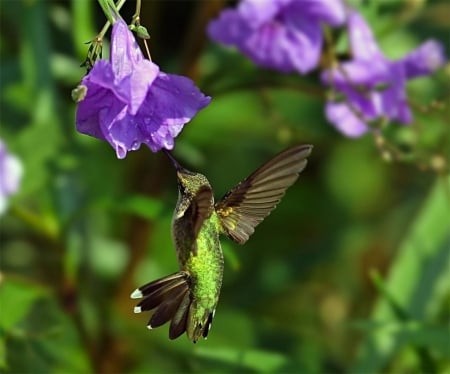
column 174, row 162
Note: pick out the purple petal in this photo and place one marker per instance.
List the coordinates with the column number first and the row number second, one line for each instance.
column 394, row 102
column 11, row 171
column 230, row 28
column 301, row 44
column 359, row 72
column 331, row 12
column 172, row 101
column 97, row 100
column 133, row 88
column 340, row 115
column 121, row 131
column 257, row 12
column 424, row 60
column 362, row 41
column 288, row 46
column 125, row 52
column 133, row 74
column 281, row 34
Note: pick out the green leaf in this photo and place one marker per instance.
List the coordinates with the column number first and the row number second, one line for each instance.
column 3, row 364
column 142, row 206
column 16, row 299
column 421, row 263
column 254, row 359
column 108, row 257
column 230, row 256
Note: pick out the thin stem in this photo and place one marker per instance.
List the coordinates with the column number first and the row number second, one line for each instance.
column 105, row 28
column 41, row 226
column 107, row 8
column 147, row 50
column 136, row 20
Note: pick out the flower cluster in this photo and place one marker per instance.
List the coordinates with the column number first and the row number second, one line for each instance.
column 286, row 35
column 372, row 86
column 10, row 176
column 129, row 101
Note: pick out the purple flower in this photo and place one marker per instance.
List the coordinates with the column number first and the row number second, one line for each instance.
column 285, row 35
column 10, row 175
column 130, row 102
column 372, row 85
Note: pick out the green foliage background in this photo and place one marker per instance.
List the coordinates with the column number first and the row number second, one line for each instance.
column 349, row 274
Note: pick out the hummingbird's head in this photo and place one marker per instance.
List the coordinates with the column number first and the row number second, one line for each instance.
column 189, row 182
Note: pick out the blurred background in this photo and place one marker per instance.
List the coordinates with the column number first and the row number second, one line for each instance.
column 349, row 274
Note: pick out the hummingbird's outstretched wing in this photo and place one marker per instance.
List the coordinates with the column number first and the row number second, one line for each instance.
column 170, row 296
column 247, row 204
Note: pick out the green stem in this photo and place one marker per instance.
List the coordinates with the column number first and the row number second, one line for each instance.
column 135, row 20
column 105, row 4
column 41, row 226
column 106, row 7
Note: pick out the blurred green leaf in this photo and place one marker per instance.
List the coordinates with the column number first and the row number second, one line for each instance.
column 253, row 359
column 108, row 257
column 230, row 256
column 356, row 175
column 51, row 344
column 142, row 206
column 421, row 262
column 16, row 299
column 3, row 364
column 91, row 227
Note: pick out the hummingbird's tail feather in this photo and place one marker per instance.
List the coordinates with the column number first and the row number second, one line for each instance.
column 179, row 321
column 170, row 296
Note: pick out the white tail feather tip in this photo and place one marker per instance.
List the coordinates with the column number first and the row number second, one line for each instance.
column 136, row 294
column 137, row 309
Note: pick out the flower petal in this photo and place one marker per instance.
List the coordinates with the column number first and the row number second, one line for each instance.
column 133, row 74
column 425, row 59
column 11, row 171
column 125, row 52
column 359, row 72
column 340, row 115
column 97, row 100
column 394, row 102
column 121, row 131
column 172, row 101
column 331, row 12
column 302, row 44
column 230, row 28
column 362, row 41
column 257, row 12
column 285, row 35
column 133, row 88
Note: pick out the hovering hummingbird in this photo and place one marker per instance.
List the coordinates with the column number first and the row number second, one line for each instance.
column 188, row 298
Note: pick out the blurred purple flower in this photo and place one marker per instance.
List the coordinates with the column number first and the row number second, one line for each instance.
column 285, row 35
column 372, row 85
column 130, row 102
column 10, row 176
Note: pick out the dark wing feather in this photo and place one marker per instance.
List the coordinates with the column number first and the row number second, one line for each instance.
column 202, row 207
column 247, row 204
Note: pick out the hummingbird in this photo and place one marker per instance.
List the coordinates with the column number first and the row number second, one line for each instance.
column 188, row 298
